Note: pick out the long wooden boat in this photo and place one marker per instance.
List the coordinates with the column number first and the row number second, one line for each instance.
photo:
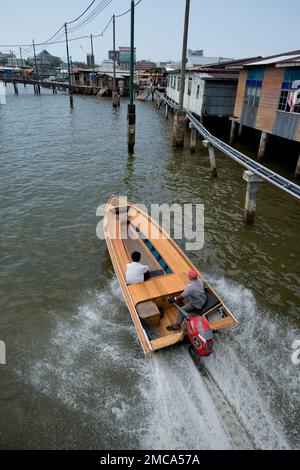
column 148, row 301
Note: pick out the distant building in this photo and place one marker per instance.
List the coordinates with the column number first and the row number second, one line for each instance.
column 3, row 58
column 111, row 56
column 45, row 63
column 268, row 97
column 169, row 65
column 197, row 58
column 102, row 79
column 125, row 57
column 144, row 65
column 90, row 60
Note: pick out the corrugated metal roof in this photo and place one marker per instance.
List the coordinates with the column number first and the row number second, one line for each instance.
column 275, row 60
column 111, row 75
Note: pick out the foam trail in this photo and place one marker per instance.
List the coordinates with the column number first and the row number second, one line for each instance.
column 93, row 364
column 252, row 366
column 184, row 415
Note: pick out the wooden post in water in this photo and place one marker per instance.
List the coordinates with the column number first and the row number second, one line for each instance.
column 263, row 144
column 232, row 132
column 212, row 157
column 131, row 116
column 297, row 172
column 167, row 111
column 240, row 130
column 69, row 69
column 253, row 182
column 180, row 116
column 193, row 143
column 158, row 102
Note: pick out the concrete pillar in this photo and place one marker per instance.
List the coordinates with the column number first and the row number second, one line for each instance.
column 297, row 172
column 212, row 157
column 232, row 132
column 253, row 182
column 179, row 129
column 167, row 111
column 115, row 100
column 263, row 144
column 240, row 130
column 131, row 120
column 193, row 144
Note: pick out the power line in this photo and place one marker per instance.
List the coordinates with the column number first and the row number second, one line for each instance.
column 62, row 27
column 78, row 17
column 71, row 30
column 104, row 4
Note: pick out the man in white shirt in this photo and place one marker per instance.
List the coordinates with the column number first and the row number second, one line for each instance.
column 135, row 271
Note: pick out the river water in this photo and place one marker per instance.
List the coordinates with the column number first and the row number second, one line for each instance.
column 75, row 375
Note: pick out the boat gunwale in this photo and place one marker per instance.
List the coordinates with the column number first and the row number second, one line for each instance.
column 147, row 348
column 181, row 253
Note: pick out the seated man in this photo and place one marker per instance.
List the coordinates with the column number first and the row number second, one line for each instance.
column 193, row 297
column 135, row 271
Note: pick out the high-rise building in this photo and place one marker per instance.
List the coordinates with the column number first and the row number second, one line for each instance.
column 111, row 56
column 144, row 65
column 90, row 60
column 124, row 57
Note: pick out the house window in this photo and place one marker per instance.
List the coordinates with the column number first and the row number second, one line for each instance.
column 190, row 82
column 198, row 92
column 289, row 101
column 253, row 92
column 178, row 84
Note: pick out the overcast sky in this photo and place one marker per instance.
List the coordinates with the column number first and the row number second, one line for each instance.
column 228, row 28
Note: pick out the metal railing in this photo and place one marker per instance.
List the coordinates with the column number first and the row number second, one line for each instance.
column 292, row 189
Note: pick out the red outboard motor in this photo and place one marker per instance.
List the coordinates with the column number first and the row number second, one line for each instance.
column 200, row 335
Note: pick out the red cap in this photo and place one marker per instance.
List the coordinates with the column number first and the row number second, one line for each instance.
column 192, row 275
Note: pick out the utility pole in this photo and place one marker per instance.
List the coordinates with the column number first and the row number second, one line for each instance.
column 69, row 68
column 21, row 58
column 93, row 58
column 115, row 96
column 35, row 61
column 131, row 118
column 180, row 116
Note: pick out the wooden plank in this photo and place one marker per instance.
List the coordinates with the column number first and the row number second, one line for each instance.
column 222, row 323
column 166, row 341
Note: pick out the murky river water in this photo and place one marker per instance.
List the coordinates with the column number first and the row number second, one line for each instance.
column 75, row 375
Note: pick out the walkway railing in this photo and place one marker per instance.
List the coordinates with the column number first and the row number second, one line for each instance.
column 292, row 189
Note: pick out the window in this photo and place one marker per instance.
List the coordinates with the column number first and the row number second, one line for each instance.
column 253, row 92
column 289, row 101
column 198, row 92
column 190, row 82
column 178, row 84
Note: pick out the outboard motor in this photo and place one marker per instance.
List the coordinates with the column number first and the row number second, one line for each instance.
column 198, row 330
column 200, row 335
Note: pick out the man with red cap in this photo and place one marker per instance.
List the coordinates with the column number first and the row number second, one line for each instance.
column 193, row 297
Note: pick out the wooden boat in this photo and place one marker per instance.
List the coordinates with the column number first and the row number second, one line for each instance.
column 148, row 302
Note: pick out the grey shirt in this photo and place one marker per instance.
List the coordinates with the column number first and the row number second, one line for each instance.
column 195, row 293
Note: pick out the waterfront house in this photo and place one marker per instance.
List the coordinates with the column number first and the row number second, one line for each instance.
column 209, row 90
column 105, row 82
column 268, row 98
